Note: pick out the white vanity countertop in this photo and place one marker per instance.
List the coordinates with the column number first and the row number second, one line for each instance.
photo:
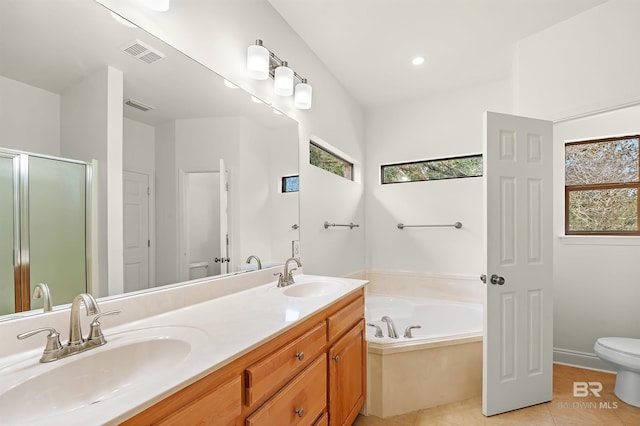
column 233, row 325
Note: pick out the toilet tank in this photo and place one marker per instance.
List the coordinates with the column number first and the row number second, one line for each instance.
column 198, row 270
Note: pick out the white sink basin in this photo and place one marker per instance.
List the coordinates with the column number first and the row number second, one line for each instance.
column 312, row 289
column 38, row 391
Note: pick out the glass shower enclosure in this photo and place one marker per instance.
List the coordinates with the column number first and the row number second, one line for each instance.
column 44, row 210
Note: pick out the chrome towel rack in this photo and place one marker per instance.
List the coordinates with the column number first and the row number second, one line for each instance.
column 456, row 225
column 350, row 225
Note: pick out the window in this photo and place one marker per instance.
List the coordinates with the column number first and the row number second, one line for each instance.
column 601, row 187
column 329, row 161
column 448, row 168
column 291, row 183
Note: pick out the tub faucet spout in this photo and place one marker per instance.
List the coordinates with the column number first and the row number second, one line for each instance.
column 391, row 328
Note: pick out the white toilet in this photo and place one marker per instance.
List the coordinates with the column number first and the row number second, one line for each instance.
column 623, row 354
column 198, row 270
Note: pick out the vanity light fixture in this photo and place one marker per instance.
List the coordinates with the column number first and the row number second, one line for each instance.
column 258, row 61
column 302, row 97
column 263, row 63
column 283, row 80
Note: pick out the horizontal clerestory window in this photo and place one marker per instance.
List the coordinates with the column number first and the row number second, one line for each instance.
column 601, row 186
column 426, row 170
column 327, row 160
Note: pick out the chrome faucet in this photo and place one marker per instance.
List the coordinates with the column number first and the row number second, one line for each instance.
column 391, row 328
column 286, row 278
column 75, row 333
column 41, row 291
column 257, row 260
column 77, row 343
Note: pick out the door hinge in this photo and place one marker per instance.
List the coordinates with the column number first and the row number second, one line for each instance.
column 148, row 191
column 148, row 243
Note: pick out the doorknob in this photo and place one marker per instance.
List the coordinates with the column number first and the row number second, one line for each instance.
column 483, row 278
column 497, row 280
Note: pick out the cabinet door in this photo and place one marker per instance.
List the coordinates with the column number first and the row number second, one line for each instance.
column 220, row 407
column 347, row 376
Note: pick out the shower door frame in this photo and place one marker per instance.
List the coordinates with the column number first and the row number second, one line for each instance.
column 21, row 231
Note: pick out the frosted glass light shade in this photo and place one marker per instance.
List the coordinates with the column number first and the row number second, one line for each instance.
column 258, row 62
column 158, row 5
column 283, row 84
column 303, row 95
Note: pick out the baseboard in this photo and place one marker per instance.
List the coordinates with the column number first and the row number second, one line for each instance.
column 580, row 359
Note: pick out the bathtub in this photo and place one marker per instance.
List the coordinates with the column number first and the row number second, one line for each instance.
column 439, row 319
column 440, row 364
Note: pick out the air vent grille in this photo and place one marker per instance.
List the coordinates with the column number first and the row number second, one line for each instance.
column 137, row 104
column 143, row 51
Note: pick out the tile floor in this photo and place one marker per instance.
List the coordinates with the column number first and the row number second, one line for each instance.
column 565, row 409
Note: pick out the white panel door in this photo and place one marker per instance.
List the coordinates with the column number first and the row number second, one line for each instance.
column 518, row 310
column 136, row 231
column 224, row 219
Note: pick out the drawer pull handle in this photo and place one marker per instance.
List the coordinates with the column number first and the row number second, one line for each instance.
column 336, row 358
column 300, row 356
column 300, row 412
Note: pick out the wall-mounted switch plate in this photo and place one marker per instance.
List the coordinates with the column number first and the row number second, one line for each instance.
column 295, row 248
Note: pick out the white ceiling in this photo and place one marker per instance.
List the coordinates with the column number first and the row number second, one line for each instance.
column 53, row 45
column 368, row 44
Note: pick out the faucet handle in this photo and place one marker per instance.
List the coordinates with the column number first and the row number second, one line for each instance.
column 95, row 332
column 280, row 278
column 407, row 331
column 290, row 274
column 378, row 329
column 53, row 342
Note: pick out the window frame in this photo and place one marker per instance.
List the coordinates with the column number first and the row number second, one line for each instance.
column 283, row 184
column 334, row 155
column 403, row 163
column 568, row 189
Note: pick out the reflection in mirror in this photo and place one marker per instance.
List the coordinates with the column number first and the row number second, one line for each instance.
column 188, row 176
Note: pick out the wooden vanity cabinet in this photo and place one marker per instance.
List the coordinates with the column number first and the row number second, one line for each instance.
column 347, row 378
column 313, row 374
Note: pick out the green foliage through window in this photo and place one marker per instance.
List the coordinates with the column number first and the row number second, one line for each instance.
column 448, row 168
column 330, row 162
column 601, row 186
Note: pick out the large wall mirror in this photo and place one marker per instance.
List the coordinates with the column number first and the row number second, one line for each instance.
column 196, row 164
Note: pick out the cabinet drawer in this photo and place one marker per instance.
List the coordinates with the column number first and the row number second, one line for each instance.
column 345, row 318
column 298, row 403
column 322, row 421
column 221, row 407
column 267, row 375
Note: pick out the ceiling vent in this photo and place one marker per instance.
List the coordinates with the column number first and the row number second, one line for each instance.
column 143, row 51
column 137, row 104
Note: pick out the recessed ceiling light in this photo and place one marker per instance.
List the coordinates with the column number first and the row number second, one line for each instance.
column 229, row 84
column 418, row 60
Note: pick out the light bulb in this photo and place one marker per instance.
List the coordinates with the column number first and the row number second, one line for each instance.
column 303, row 95
column 258, row 61
column 283, row 80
